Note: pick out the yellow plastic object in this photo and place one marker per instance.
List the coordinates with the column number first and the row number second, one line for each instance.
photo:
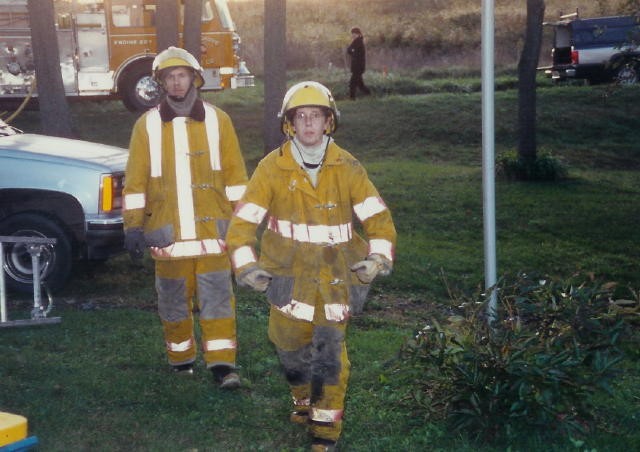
column 13, row 427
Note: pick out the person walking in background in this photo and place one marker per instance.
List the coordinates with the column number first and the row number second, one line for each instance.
column 184, row 175
column 315, row 268
column 356, row 52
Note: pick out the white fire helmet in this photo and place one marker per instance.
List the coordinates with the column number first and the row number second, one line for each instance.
column 177, row 57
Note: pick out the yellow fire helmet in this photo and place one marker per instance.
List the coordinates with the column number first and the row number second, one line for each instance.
column 176, row 57
column 307, row 94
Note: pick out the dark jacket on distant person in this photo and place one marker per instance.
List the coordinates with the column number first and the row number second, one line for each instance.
column 357, row 53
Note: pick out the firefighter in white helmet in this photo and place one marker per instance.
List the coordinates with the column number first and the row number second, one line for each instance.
column 184, row 176
column 315, row 269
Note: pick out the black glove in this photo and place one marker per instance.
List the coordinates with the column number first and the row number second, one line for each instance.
column 134, row 243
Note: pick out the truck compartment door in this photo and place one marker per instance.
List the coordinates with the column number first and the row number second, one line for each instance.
column 93, row 53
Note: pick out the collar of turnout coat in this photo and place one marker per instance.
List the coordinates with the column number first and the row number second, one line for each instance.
column 335, row 155
column 167, row 114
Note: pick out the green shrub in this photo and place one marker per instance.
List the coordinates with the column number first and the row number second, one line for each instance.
column 551, row 346
column 545, row 167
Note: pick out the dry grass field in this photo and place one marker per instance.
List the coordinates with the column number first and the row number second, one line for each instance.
column 401, row 34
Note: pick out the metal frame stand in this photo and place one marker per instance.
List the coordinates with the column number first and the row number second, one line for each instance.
column 39, row 313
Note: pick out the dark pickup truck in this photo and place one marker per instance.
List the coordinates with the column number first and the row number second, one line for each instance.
column 600, row 49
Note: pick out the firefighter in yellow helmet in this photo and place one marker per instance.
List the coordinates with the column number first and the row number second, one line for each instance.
column 184, row 175
column 315, row 269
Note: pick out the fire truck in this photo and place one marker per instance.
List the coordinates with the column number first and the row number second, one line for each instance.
column 107, row 47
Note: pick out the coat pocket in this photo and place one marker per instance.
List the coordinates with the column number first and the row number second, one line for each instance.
column 160, row 237
column 280, row 290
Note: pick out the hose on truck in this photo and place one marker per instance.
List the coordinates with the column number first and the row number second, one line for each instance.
column 23, row 104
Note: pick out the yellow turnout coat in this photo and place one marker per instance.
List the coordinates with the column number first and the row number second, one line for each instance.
column 183, row 179
column 309, row 241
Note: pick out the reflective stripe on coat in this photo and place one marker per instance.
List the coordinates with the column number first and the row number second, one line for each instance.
column 183, row 179
column 309, row 235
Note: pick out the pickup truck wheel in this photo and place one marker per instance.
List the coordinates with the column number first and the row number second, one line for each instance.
column 138, row 90
column 627, row 74
column 55, row 260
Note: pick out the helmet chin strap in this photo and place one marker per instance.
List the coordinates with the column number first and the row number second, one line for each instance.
column 317, row 152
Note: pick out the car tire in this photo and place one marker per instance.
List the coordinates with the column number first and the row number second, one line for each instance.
column 627, row 74
column 138, row 91
column 55, row 260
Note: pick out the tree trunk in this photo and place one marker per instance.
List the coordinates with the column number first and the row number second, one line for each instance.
column 55, row 114
column 275, row 69
column 166, row 24
column 527, row 81
column 192, row 27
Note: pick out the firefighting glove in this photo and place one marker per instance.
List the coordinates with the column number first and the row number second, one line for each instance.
column 255, row 278
column 134, row 243
column 372, row 266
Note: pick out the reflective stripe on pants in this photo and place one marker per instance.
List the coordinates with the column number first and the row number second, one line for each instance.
column 208, row 281
column 317, row 370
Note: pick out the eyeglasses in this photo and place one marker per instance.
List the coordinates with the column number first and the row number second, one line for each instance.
column 314, row 116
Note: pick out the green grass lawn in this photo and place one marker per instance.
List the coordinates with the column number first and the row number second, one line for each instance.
column 99, row 380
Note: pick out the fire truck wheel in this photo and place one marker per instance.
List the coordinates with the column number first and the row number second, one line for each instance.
column 138, row 90
column 55, row 260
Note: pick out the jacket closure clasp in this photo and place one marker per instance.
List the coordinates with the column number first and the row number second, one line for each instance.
column 202, row 186
column 328, row 206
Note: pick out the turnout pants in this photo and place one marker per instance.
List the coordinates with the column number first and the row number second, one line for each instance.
column 314, row 358
column 207, row 281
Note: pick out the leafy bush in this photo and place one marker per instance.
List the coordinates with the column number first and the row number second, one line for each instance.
column 534, row 367
column 545, row 167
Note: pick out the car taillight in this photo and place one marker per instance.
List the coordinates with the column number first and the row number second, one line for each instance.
column 111, row 187
column 575, row 59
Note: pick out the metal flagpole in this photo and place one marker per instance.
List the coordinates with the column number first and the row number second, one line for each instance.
column 488, row 154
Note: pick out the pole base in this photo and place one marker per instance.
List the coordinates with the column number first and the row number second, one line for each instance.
column 30, row 322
